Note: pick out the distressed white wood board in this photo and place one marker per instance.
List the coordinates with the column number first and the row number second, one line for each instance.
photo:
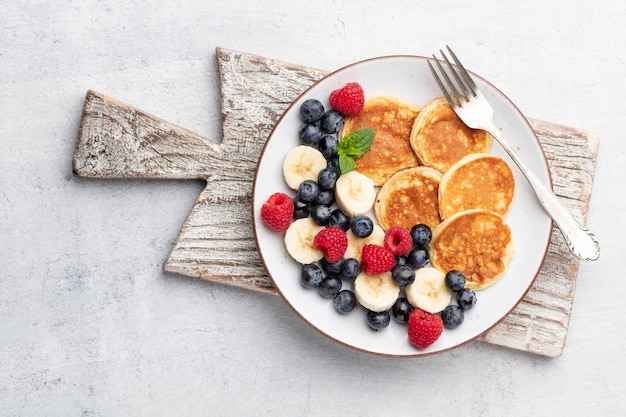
column 216, row 242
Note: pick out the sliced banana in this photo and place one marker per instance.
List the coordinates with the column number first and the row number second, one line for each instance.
column 355, row 244
column 302, row 163
column 376, row 292
column 299, row 241
column 355, row 193
column 429, row 291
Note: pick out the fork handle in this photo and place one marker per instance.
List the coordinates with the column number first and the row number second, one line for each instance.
column 580, row 240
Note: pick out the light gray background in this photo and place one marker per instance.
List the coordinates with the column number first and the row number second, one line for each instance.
column 91, row 326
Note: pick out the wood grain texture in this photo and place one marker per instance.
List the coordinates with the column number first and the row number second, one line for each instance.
column 216, row 242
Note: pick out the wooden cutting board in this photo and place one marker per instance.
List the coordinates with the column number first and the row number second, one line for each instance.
column 216, row 242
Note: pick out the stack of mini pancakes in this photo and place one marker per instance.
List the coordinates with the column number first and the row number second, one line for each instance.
column 433, row 169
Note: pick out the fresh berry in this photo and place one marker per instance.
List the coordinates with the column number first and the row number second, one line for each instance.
column 424, row 328
column 418, row 257
column 350, row 269
column 332, row 241
column 455, row 280
column 452, row 316
column 327, row 178
column 403, row 275
column 325, row 198
column 401, row 310
column 332, row 268
column 310, row 134
column 301, row 209
column 320, row 215
column 329, row 287
column 362, row 226
column 421, row 234
column 466, row 298
column 311, row 276
column 340, row 219
column 328, row 146
column 376, row 259
column 398, row 240
column 311, row 110
column 345, row 301
column 348, row 100
column 277, row 212
column 401, row 260
column 332, row 122
column 308, row 191
column 378, row 320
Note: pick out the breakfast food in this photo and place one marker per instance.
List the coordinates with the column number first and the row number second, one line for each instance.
column 366, row 218
column 476, row 181
column 392, row 119
column 476, row 242
column 409, row 197
column 440, row 139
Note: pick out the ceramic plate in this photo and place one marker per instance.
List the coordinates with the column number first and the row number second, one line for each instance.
column 407, row 77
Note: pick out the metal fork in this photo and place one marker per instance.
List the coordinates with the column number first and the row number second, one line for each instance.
column 475, row 111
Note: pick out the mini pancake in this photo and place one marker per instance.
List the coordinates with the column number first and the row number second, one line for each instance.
column 392, row 119
column 440, row 139
column 476, row 181
column 476, row 242
column 409, row 197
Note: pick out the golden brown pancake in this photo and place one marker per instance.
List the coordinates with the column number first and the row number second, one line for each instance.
column 392, row 120
column 476, row 181
column 409, row 197
column 440, row 139
column 476, row 242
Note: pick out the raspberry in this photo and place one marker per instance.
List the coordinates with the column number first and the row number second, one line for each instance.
column 333, row 242
column 376, row 259
column 277, row 212
column 424, row 328
column 348, row 100
column 398, row 240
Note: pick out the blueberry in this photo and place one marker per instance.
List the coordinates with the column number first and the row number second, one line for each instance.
column 452, row 316
column 310, row 134
column 332, row 122
column 401, row 260
column 362, row 226
column 327, row 178
column 418, row 257
column 378, row 321
column 340, row 219
column 311, row 276
column 308, row 191
column 345, row 301
column 333, row 268
column 328, row 146
column 311, row 110
column 455, row 280
column 350, row 269
column 325, row 198
column 320, row 215
column 401, row 310
column 301, row 209
column 466, row 298
column 333, row 163
column 421, row 234
column 329, row 287
column 403, row 275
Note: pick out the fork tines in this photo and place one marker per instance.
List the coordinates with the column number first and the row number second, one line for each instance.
column 465, row 84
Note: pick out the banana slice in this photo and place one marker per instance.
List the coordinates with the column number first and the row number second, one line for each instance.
column 299, row 241
column 429, row 291
column 355, row 244
column 376, row 292
column 355, row 193
column 302, row 163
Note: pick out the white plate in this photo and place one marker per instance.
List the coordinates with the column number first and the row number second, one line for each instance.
column 407, row 77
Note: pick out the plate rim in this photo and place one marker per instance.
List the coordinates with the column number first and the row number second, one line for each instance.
column 254, row 209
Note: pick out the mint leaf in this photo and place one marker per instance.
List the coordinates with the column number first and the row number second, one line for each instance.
column 356, row 143
column 346, row 163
